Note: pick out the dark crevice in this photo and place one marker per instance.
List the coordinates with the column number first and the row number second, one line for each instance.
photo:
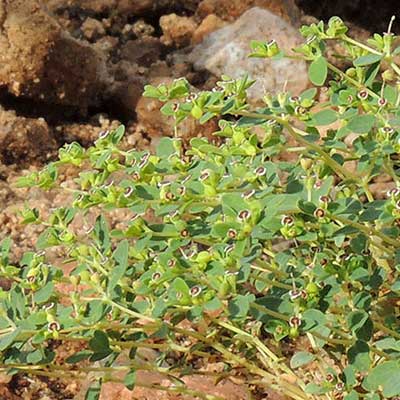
column 369, row 14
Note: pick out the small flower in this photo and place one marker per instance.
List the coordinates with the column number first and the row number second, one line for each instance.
column 248, row 194
column 169, row 196
column 41, row 253
column 184, row 233
column 103, row 134
column 310, row 39
column 53, row 326
column 299, row 110
column 393, row 192
column 136, row 176
column 228, row 249
column 31, row 279
column 318, row 184
column 204, row 175
column 175, row 107
column 181, row 190
column 339, row 386
column 382, row 102
column 191, row 97
column 156, row 276
column 319, row 213
column 295, row 322
column 244, row 215
column 323, row 262
column 294, row 99
column 163, row 184
column 195, row 291
column 271, row 122
column 134, row 216
column 350, row 98
column 294, row 294
column 48, row 307
column 232, row 233
column 128, row 191
column 330, row 378
column 324, row 199
column 186, row 179
column 287, row 220
column 387, row 129
column 171, row 263
column 260, row 171
column 362, row 94
column 303, row 294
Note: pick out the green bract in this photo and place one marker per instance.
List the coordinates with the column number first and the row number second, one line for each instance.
column 240, row 248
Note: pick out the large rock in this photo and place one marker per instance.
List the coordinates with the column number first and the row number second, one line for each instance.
column 41, row 61
column 24, row 140
column 226, row 51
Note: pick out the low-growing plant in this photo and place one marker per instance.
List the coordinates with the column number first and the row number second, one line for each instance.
column 268, row 253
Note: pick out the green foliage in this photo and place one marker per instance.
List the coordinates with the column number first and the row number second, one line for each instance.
column 252, row 251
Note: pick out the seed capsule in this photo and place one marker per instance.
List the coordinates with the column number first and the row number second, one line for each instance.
column 136, row 176
column 169, row 196
column 339, row 386
column 195, row 291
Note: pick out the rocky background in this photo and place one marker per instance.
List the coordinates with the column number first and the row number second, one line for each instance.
column 72, row 68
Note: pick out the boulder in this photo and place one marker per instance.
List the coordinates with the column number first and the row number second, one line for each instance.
column 24, row 140
column 39, row 60
column 225, row 52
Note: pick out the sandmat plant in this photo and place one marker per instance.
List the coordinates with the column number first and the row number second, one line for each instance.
column 266, row 251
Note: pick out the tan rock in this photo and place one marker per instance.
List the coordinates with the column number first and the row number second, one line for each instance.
column 209, row 24
column 177, row 30
column 39, row 60
column 93, row 29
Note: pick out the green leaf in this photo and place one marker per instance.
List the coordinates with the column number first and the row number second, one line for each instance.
column 361, row 123
column 121, row 257
column 301, row 358
column 358, row 355
column 130, row 379
column 102, row 234
column 94, row 391
column 367, row 60
column 360, row 324
column 100, row 346
column 7, row 339
column 240, row 306
column 318, row 71
column 385, row 375
column 44, row 293
column 325, row 117
column 353, row 395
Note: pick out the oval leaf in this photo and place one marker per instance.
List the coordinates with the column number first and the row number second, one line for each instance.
column 318, row 71
column 301, row 358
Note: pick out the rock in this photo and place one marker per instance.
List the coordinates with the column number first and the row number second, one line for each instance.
column 142, row 28
column 177, row 30
column 230, row 10
column 209, row 24
column 132, row 7
column 225, row 52
column 39, row 60
column 93, row 29
column 24, row 140
column 144, row 51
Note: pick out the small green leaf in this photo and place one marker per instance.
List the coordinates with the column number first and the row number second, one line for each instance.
column 359, row 356
column 7, row 339
column 301, row 358
column 130, row 379
column 385, row 375
column 325, row 117
column 367, row 60
column 318, row 71
column 94, row 391
column 361, row 123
